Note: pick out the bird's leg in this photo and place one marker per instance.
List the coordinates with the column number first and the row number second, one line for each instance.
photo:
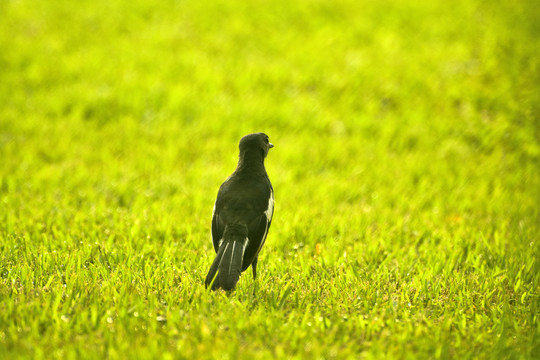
column 254, row 267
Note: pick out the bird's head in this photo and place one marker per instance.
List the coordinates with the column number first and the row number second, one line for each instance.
column 255, row 142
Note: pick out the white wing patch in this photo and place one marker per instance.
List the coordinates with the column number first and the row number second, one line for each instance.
column 270, row 210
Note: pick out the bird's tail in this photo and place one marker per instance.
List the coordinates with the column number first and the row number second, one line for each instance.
column 227, row 266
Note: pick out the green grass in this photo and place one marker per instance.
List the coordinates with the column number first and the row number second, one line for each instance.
column 406, row 173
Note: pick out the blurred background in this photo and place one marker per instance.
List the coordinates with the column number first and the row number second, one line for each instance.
column 393, row 105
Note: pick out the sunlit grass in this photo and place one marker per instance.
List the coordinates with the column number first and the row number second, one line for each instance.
column 406, row 174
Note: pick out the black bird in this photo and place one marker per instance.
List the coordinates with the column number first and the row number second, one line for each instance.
column 242, row 215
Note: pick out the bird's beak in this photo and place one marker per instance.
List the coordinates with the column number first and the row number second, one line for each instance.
column 270, row 145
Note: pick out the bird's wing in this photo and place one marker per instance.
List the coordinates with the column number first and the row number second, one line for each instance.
column 217, row 230
column 268, row 213
column 258, row 230
column 218, row 227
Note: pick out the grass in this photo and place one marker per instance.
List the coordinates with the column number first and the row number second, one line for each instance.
column 406, row 173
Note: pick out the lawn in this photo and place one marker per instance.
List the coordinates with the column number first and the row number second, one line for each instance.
column 406, row 171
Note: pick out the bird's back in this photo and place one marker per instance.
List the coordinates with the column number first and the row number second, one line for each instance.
column 242, row 198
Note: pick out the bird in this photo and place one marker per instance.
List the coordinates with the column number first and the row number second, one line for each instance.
column 242, row 215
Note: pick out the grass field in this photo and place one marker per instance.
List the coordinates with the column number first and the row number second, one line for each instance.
column 406, row 170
